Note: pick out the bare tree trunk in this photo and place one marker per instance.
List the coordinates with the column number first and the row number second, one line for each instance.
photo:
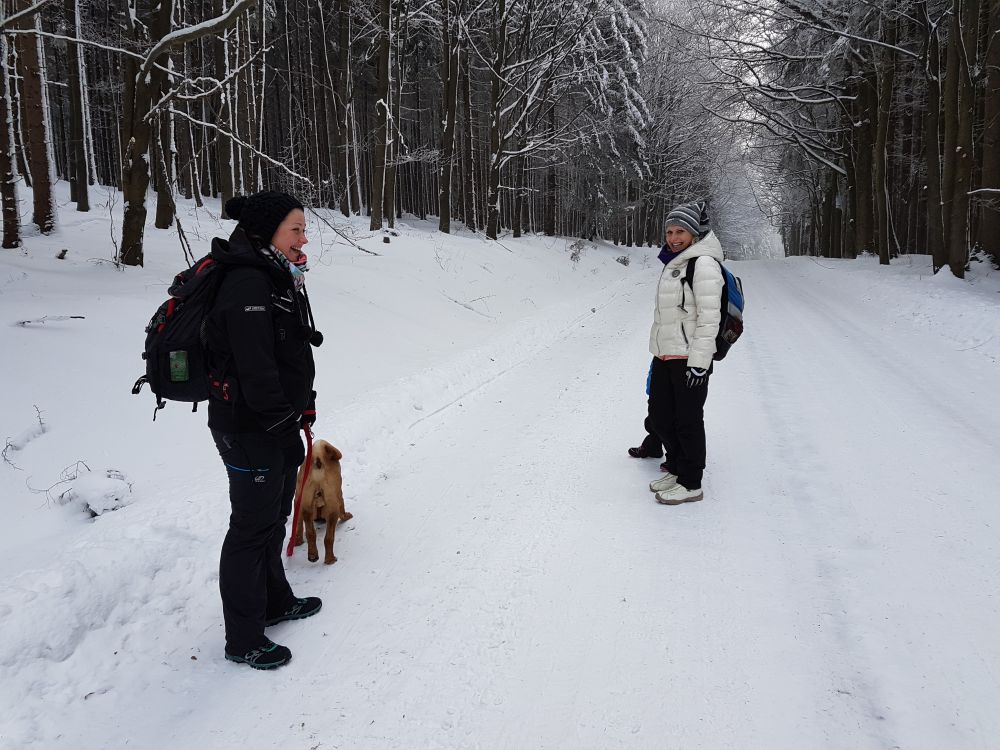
column 988, row 232
column 248, row 177
column 8, row 166
column 395, row 91
column 137, row 134
column 223, row 144
column 469, row 165
column 165, row 173
column 517, row 183
column 449, row 80
column 78, row 169
column 499, row 33
column 962, row 38
column 187, row 183
column 30, row 63
column 549, row 218
column 381, row 115
column 885, row 73
column 342, row 102
column 949, row 104
column 863, row 145
column 423, row 200
column 932, row 146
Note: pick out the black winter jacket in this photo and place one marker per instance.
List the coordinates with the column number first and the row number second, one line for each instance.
column 258, row 339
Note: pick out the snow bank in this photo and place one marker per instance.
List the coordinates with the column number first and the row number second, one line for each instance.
column 907, row 293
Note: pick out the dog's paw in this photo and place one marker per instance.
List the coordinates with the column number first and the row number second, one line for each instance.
column 330, row 560
column 313, row 557
column 346, row 517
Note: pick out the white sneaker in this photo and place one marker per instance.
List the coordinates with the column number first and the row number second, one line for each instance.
column 679, row 494
column 664, row 483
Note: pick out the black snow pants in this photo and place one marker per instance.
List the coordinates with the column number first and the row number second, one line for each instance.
column 651, row 444
column 678, row 416
column 251, row 574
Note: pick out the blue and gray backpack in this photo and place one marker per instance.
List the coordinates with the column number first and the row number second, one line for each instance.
column 731, row 321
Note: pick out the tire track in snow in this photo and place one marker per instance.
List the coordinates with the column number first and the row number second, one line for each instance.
column 860, row 414
column 773, row 331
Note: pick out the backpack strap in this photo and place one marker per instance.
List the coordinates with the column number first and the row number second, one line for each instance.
column 689, row 272
column 689, row 277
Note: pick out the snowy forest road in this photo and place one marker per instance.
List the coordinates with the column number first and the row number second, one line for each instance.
column 510, row 583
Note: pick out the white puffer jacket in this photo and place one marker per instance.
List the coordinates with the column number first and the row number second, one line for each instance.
column 685, row 325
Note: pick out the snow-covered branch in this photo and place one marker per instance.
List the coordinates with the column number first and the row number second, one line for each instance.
column 192, row 33
column 21, row 15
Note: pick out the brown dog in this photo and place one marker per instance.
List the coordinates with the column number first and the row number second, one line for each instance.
column 322, row 497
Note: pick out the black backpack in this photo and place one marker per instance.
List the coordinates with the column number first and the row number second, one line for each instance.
column 176, row 361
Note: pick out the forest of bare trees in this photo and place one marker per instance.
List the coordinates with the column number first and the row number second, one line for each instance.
column 854, row 127
column 878, row 121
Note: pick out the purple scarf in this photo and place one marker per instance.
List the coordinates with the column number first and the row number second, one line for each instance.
column 666, row 254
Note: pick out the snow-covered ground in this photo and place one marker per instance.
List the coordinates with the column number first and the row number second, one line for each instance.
column 507, row 580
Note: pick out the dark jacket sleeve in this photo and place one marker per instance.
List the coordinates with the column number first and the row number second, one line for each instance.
column 249, row 326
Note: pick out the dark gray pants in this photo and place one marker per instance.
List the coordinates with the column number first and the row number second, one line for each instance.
column 251, row 573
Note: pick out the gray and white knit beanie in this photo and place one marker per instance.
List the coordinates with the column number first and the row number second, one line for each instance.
column 691, row 216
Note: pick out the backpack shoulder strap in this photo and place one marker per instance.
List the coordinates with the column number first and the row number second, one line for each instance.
column 689, row 272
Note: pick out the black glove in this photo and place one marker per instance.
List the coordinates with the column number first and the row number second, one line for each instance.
column 308, row 418
column 696, row 377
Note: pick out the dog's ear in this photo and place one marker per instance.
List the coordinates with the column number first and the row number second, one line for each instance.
column 330, row 453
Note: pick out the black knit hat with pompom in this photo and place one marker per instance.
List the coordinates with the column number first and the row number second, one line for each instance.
column 262, row 213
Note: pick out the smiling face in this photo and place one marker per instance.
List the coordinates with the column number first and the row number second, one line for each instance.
column 678, row 238
column 290, row 237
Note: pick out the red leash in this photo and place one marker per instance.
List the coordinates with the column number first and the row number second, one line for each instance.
column 298, row 494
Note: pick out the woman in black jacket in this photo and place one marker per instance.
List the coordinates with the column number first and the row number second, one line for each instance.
column 259, row 337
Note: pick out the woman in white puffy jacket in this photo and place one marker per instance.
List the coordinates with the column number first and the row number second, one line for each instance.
column 682, row 342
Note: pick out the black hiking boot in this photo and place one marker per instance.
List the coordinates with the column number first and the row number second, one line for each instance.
column 300, row 609
column 269, row 655
column 642, row 451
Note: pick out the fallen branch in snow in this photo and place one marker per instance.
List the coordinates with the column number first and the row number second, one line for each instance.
column 16, row 444
column 119, row 266
column 47, row 318
column 984, row 341
column 468, row 305
column 95, row 493
column 346, row 238
column 66, row 476
column 6, row 458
